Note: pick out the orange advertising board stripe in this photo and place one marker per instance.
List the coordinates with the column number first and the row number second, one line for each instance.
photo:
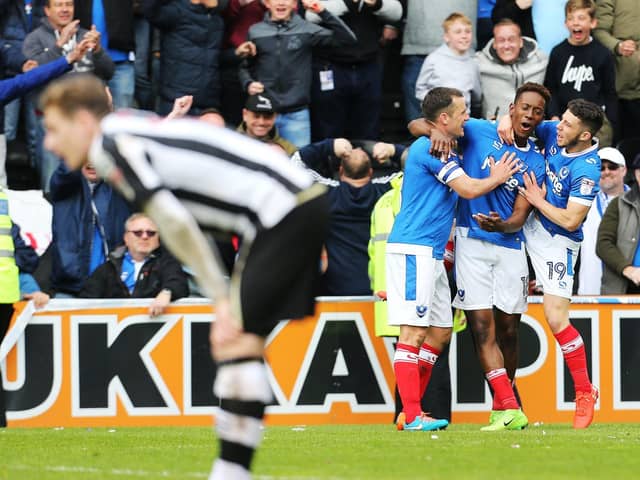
column 106, row 363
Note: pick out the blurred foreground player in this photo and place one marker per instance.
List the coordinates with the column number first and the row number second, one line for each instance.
column 186, row 173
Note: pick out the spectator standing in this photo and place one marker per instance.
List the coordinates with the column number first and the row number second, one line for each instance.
column 618, row 29
column 613, row 170
column 259, row 122
column 284, row 73
column 618, row 241
column 507, row 61
column 239, row 16
column 351, row 199
column 114, row 20
column 452, row 64
column 87, row 224
column 422, row 36
column 347, row 81
column 19, row 18
column 56, row 36
column 581, row 67
column 190, row 54
column 140, row 268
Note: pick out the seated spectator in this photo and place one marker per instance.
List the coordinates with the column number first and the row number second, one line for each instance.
column 618, row 241
column 87, row 223
column 505, row 63
column 139, row 269
column 352, row 199
column 259, row 122
column 453, row 65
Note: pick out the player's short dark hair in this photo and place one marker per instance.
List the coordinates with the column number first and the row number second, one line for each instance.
column 589, row 113
column 73, row 92
column 533, row 87
column 438, row 100
column 573, row 5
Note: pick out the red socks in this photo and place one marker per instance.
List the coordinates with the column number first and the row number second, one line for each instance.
column 426, row 360
column 575, row 356
column 503, row 396
column 405, row 367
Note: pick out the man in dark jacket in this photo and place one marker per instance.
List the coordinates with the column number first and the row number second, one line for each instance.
column 139, row 269
column 191, row 44
column 87, row 224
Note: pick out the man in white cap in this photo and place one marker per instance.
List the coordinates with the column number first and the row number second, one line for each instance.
column 613, row 169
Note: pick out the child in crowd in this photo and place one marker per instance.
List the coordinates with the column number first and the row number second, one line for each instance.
column 453, row 64
column 581, row 67
column 278, row 61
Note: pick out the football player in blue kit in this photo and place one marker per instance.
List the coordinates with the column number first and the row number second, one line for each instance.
column 417, row 285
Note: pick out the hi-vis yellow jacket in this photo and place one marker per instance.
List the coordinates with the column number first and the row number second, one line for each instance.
column 9, row 279
column 382, row 217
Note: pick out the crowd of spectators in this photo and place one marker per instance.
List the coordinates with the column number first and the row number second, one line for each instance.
column 289, row 72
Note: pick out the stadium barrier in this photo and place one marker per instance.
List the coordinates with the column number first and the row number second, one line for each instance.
column 106, row 363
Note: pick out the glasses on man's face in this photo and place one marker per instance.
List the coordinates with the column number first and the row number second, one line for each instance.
column 613, row 167
column 140, row 233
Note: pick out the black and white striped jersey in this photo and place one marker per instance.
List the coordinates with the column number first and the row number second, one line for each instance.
column 228, row 182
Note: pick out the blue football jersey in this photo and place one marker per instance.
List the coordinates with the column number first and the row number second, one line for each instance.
column 428, row 204
column 480, row 142
column 570, row 176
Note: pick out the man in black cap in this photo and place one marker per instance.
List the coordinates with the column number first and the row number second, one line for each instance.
column 259, row 122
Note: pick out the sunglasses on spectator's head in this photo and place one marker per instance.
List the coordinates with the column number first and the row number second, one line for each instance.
column 140, row 233
column 609, row 166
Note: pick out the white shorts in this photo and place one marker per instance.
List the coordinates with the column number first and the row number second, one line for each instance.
column 417, row 287
column 489, row 275
column 553, row 258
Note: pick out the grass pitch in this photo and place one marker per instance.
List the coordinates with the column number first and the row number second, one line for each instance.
column 540, row 452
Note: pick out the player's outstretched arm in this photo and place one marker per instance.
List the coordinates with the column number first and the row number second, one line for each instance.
column 501, row 171
column 569, row 218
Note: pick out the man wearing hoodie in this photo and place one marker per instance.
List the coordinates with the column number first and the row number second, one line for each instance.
column 505, row 63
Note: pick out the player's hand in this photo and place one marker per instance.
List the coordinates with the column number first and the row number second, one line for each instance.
column 505, row 130
column 490, row 223
column 255, row 88
column 342, row 148
column 505, row 168
column 441, row 144
column 158, row 305
column 531, row 190
column 225, row 328
column 67, row 32
column 246, row 49
column 382, row 152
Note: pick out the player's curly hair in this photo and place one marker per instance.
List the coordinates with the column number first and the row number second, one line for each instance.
column 533, row 87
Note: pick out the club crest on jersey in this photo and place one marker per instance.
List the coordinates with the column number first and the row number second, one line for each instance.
column 461, row 294
column 421, row 310
column 563, row 173
column 586, row 186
